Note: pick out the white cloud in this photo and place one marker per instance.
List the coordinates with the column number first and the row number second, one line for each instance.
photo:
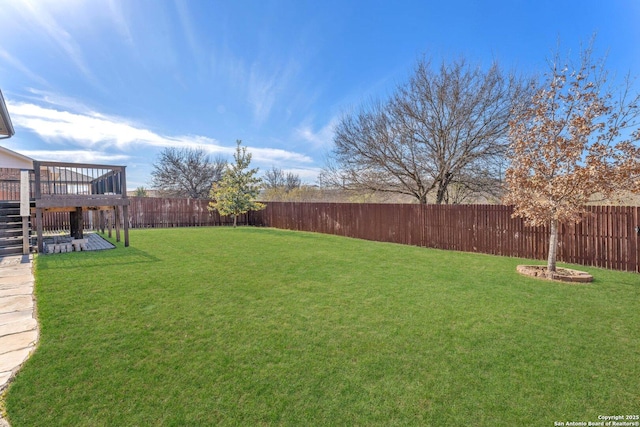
column 307, row 175
column 18, row 65
column 77, row 156
column 57, row 100
column 261, row 94
column 120, row 21
column 92, row 129
column 323, row 138
column 265, row 89
column 59, row 35
column 264, row 83
column 265, row 155
column 188, row 29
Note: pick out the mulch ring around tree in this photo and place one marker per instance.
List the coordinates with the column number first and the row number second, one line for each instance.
column 561, row 274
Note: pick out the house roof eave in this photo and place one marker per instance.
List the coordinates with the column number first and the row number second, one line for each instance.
column 12, row 160
column 6, row 127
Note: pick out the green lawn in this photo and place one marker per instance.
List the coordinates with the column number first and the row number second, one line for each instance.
column 250, row 326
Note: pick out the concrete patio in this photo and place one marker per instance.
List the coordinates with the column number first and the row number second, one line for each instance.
column 18, row 325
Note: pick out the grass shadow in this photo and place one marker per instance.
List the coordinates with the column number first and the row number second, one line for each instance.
column 114, row 257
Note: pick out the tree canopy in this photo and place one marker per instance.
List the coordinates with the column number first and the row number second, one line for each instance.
column 575, row 141
column 141, row 192
column 276, row 179
column 186, row 172
column 239, row 187
column 443, row 134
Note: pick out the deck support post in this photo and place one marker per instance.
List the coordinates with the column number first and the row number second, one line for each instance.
column 125, row 214
column 39, row 229
column 116, row 210
column 101, row 222
column 109, row 222
column 125, row 206
column 25, row 235
column 77, row 223
column 25, row 209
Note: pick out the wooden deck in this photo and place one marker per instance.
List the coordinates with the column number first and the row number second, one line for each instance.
column 78, row 187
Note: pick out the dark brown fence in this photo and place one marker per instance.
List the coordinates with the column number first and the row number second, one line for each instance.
column 607, row 237
column 147, row 212
column 61, row 221
column 151, row 212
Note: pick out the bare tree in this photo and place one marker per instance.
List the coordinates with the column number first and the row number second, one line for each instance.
column 441, row 130
column 292, row 181
column 577, row 139
column 275, row 178
column 187, row 172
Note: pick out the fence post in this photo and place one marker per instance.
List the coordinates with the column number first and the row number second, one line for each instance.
column 636, row 223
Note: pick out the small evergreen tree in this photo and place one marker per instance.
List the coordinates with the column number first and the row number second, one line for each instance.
column 141, row 192
column 236, row 192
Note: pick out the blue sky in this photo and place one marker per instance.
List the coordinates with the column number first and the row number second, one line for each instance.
column 116, row 81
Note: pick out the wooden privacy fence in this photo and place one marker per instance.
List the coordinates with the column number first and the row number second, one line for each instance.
column 148, row 212
column 151, row 212
column 607, row 237
column 58, row 221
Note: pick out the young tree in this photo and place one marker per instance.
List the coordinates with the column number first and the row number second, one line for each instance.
column 444, row 128
column 236, row 192
column 141, row 192
column 576, row 140
column 186, row 172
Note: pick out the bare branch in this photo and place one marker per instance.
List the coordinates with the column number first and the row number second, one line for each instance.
column 437, row 129
column 186, row 172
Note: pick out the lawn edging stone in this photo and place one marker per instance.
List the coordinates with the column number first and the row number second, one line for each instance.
column 567, row 275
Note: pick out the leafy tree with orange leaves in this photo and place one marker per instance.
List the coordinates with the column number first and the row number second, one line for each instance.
column 576, row 141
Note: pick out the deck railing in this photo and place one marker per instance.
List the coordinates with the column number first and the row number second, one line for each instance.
column 77, row 179
column 59, row 179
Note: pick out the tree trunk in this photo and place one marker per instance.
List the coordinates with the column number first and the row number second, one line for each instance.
column 442, row 188
column 553, row 249
column 440, row 194
column 235, row 220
